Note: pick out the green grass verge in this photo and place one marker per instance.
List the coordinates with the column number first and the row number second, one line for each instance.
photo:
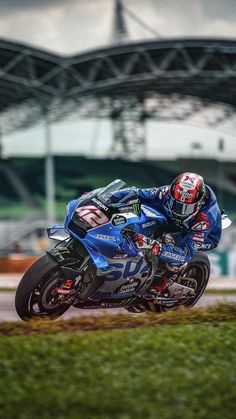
column 180, row 365
column 218, row 313
column 218, row 291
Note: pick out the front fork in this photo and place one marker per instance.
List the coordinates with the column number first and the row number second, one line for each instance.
column 65, row 255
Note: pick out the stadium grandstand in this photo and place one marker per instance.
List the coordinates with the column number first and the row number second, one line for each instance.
column 130, row 83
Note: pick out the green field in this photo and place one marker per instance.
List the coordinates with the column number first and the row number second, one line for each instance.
column 163, row 370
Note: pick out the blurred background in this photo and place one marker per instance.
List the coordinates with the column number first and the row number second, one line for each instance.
column 93, row 90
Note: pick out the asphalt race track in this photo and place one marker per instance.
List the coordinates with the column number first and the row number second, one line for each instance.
column 7, row 306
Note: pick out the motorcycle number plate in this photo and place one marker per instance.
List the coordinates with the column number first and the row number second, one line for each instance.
column 93, row 216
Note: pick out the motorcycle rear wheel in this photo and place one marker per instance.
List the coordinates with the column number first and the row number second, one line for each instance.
column 197, row 271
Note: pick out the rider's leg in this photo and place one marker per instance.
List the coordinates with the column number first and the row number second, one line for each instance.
column 166, row 272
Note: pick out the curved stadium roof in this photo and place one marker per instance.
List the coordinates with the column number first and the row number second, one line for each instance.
column 34, row 81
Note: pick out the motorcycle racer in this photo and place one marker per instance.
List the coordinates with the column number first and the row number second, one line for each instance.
column 193, row 219
column 97, row 264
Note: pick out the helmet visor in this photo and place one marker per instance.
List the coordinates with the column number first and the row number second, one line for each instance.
column 181, row 210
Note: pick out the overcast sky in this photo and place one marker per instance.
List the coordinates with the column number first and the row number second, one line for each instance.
column 71, row 26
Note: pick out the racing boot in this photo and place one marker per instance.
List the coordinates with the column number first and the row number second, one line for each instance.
column 168, row 272
column 151, row 249
column 159, row 283
column 174, row 271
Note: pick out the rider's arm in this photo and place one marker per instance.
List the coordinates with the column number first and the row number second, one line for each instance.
column 151, row 196
column 183, row 253
column 122, row 195
column 204, row 235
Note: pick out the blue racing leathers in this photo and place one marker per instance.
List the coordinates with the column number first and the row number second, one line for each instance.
column 181, row 240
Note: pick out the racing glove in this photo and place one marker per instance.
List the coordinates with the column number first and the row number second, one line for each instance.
column 144, row 242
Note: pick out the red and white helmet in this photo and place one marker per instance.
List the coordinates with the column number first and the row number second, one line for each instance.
column 186, row 196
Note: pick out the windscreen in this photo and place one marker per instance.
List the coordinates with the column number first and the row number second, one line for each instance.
column 105, row 193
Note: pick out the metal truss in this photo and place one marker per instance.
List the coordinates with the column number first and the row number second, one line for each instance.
column 129, row 139
column 166, row 79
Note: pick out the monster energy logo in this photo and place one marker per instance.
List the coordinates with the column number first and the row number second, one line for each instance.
column 137, row 208
column 125, row 302
column 121, row 303
column 134, row 207
column 62, row 250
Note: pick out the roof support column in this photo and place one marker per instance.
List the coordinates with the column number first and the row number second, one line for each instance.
column 1, row 144
column 129, row 133
column 49, row 172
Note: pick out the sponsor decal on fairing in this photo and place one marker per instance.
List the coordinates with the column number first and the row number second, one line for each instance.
column 131, row 286
column 120, row 255
column 100, row 204
column 119, row 220
column 173, row 256
column 126, row 269
column 92, row 215
column 134, row 208
column 149, row 224
column 105, row 237
column 120, row 303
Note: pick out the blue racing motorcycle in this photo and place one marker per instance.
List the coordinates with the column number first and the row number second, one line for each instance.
column 95, row 263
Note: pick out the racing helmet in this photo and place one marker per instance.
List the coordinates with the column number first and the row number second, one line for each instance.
column 187, row 192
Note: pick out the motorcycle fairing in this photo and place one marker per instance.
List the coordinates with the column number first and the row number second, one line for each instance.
column 106, row 240
column 125, row 277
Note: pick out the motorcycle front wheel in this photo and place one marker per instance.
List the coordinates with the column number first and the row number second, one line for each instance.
column 36, row 296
